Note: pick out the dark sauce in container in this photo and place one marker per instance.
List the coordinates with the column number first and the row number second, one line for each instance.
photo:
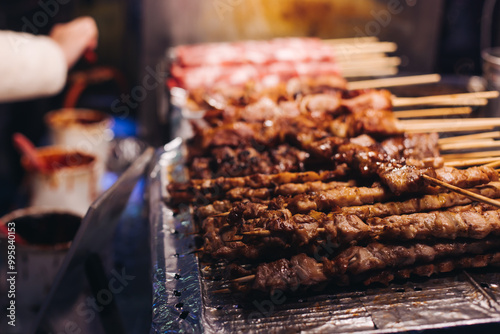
column 56, row 159
column 86, row 121
column 47, row 228
column 70, row 159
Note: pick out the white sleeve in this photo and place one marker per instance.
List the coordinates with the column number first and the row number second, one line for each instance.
column 30, row 67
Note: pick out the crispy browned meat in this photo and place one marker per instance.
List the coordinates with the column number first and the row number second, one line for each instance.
column 315, row 85
column 291, row 101
column 420, row 146
column 368, row 99
column 224, row 184
column 288, row 274
column 367, row 160
column 200, row 168
column 212, row 209
column 405, row 179
column 371, row 161
column 237, row 195
column 398, row 176
column 257, row 111
column 289, row 189
column 467, row 178
column 294, row 232
column 318, row 105
column 420, row 204
column 234, row 162
column 445, row 266
column 284, row 274
column 330, row 200
column 231, row 162
column 374, row 122
column 260, row 134
column 268, row 123
column 413, row 146
column 236, row 96
column 438, row 224
column 236, row 134
column 377, row 256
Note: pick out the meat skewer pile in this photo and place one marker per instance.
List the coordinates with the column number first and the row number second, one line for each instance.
column 320, row 184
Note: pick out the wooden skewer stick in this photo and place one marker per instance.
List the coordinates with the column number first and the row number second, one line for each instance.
column 199, row 250
column 370, row 63
column 222, row 291
column 458, row 102
column 362, row 56
column 443, row 122
column 470, row 155
column 342, row 50
column 452, row 121
column 495, row 164
column 244, row 279
column 465, row 102
column 393, row 82
column 265, row 233
column 262, row 233
column 354, row 73
column 471, row 162
column 449, row 125
column 456, row 128
column 352, row 40
column 483, row 135
column 472, row 144
column 439, row 99
column 467, row 193
column 432, row 112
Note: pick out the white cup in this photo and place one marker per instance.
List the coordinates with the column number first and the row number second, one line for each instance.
column 85, row 130
column 46, row 237
column 71, row 181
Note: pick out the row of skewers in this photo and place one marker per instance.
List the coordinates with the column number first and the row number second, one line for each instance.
column 309, row 182
column 268, row 62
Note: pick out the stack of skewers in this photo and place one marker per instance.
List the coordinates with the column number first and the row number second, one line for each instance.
column 315, row 180
column 269, row 62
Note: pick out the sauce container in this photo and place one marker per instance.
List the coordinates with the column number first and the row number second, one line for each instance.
column 42, row 240
column 85, row 130
column 71, row 181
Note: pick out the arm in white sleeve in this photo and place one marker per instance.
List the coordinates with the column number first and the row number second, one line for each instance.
column 30, row 67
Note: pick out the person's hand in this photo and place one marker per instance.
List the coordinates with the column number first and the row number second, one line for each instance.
column 75, row 38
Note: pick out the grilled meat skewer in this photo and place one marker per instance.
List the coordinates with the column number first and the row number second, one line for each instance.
column 210, row 190
column 426, row 270
column 302, row 270
column 308, row 232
